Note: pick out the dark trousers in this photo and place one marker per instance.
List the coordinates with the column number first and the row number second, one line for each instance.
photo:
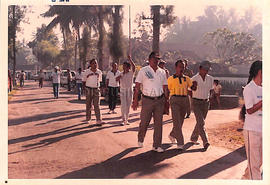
column 21, row 82
column 56, row 89
column 41, row 82
column 69, row 85
column 113, row 93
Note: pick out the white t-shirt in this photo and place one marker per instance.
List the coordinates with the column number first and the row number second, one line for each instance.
column 126, row 80
column 93, row 80
column 217, row 88
column 56, row 77
column 252, row 95
column 152, row 82
column 78, row 77
column 204, row 87
column 112, row 78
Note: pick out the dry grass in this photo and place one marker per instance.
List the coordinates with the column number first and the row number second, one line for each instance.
column 227, row 135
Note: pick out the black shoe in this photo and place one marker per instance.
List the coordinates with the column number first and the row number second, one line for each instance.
column 205, row 147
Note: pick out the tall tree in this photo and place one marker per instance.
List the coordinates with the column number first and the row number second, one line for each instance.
column 161, row 15
column 233, row 47
column 45, row 46
column 16, row 15
column 85, row 45
column 116, row 35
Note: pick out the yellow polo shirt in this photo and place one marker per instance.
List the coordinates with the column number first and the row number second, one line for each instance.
column 177, row 88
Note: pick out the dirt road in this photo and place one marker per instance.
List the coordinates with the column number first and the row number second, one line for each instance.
column 49, row 138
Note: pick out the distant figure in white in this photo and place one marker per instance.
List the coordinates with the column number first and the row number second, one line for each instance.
column 126, row 88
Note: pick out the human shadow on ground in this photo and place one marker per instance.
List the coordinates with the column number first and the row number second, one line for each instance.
column 118, row 167
column 40, row 117
column 216, row 166
column 135, row 129
column 34, row 100
column 45, row 142
column 61, row 119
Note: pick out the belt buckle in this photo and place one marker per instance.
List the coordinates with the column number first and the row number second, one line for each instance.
column 155, row 98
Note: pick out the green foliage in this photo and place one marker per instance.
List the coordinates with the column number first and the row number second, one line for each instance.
column 45, row 46
column 233, row 47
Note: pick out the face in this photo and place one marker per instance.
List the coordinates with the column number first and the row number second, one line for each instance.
column 114, row 66
column 179, row 68
column 203, row 71
column 154, row 60
column 161, row 65
column 126, row 68
column 93, row 64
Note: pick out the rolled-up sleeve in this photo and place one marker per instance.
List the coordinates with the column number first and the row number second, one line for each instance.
column 139, row 77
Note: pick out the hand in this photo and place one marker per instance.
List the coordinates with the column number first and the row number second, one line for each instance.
column 118, row 78
column 195, row 83
column 135, row 104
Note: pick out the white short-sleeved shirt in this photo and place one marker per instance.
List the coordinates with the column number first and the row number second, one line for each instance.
column 204, row 86
column 56, row 77
column 78, row 77
column 152, row 82
column 93, row 80
column 252, row 95
column 112, row 78
column 126, row 80
column 217, row 88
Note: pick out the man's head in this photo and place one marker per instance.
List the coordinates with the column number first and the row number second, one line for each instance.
column 205, row 66
column 179, row 67
column 126, row 66
column 161, row 64
column 216, row 82
column 22, row 71
column 68, row 70
column 56, row 68
column 93, row 64
column 154, row 58
column 114, row 66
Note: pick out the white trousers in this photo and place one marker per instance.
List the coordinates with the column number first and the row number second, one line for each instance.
column 253, row 145
column 126, row 99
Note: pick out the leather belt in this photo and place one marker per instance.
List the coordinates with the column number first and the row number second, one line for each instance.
column 91, row 87
column 179, row 95
column 153, row 98
column 200, row 99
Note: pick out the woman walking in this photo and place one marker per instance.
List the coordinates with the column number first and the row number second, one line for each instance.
column 252, row 115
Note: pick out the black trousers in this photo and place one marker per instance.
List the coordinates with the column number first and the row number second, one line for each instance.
column 113, row 93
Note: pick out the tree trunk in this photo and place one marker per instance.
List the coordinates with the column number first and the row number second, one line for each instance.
column 79, row 46
column 101, row 31
column 76, row 40
column 14, row 45
column 156, row 27
column 65, row 45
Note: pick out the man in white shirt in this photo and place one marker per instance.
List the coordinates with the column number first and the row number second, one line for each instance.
column 91, row 80
column 126, row 88
column 113, row 87
column 154, row 95
column 56, row 81
column 200, row 102
column 78, row 78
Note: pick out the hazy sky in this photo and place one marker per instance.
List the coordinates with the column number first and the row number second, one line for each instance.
column 190, row 9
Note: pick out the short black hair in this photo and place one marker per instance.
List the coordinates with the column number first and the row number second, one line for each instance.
column 126, row 64
column 216, row 81
column 179, row 61
column 152, row 54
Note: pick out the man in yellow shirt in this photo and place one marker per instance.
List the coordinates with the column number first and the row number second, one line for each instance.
column 178, row 85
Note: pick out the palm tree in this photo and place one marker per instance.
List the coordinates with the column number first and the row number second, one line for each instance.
column 116, row 37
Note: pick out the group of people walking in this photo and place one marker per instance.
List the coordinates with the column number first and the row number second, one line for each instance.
column 157, row 89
